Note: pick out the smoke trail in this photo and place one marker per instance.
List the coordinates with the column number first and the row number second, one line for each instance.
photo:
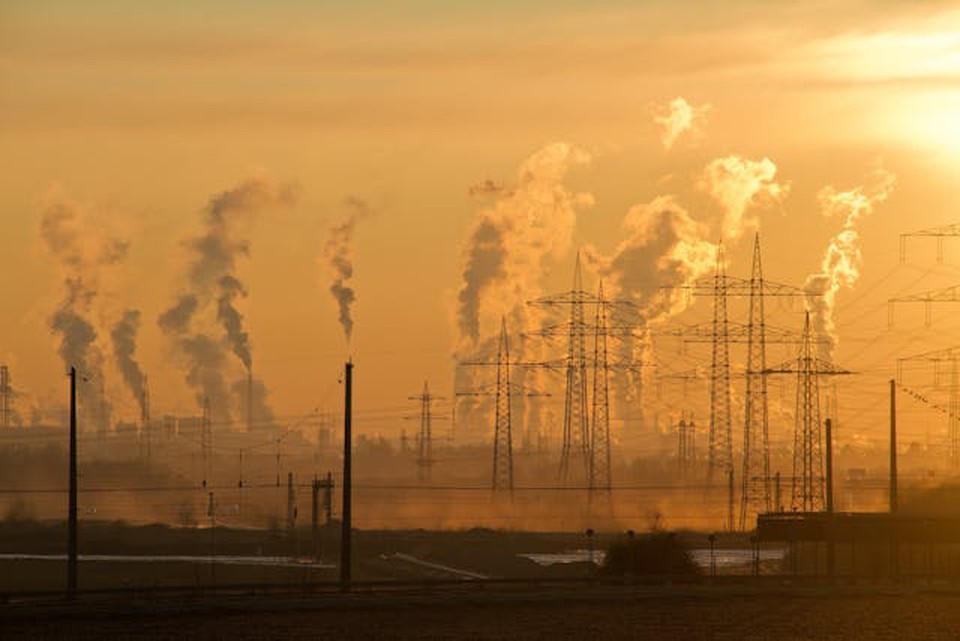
column 840, row 266
column 510, row 241
column 677, row 117
column 204, row 323
column 87, row 258
column 338, row 252
column 737, row 184
column 232, row 321
column 124, row 337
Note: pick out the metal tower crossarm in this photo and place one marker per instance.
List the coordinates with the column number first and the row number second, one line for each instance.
column 945, row 231
column 946, row 295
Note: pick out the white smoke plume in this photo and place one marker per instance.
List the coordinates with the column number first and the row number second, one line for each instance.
column 840, row 266
column 511, row 240
column 124, row 339
column 338, row 254
column 87, row 257
column 204, row 324
column 664, row 249
column 739, row 185
column 678, row 117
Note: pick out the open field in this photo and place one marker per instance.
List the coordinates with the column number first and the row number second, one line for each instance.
column 596, row 613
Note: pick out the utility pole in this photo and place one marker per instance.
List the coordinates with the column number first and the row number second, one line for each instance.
column 206, row 436
column 72, row 556
column 291, row 505
column 345, row 522
column 145, row 418
column 893, row 447
column 6, row 392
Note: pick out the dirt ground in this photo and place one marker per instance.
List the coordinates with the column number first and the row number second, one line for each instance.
column 533, row 616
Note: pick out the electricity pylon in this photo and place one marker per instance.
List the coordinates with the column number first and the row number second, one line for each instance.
column 807, row 493
column 599, row 468
column 756, row 480
column 585, row 449
column 945, row 231
column 504, row 391
column 755, row 490
column 425, row 460
column 503, row 428
column 938, row 357
column 946, row 295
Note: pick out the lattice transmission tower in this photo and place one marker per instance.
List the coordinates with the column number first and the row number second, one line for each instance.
column 504, row 391
column 755, row 486
column 945, row 231
column 585, row 446
column 425, row 460
column 756, row 482
column 599, row 477
column 949, row 356
column 503, row 417
column 807, row 492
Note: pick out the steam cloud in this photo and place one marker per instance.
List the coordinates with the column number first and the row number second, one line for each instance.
column 737, row 184
column 510, row 241
column 124, row 338
column 664, row 246
column 204, row 323
column 338, row 252
column 840, row 266
column 677, row 117
column 87, row 258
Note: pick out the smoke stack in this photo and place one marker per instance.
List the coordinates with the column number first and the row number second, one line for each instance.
column 345, row 524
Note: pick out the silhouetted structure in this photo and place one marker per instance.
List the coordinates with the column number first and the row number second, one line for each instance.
column 686, row 446
column 755, row 490
column 206, row 442
column 807, row 494
column 599, row 475
column 6, row 398
column 425, row 460
column 946, row 295
column 937, row 358
column 503, row 427
column 946, row 231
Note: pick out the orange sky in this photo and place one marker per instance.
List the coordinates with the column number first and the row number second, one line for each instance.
column 141, row 115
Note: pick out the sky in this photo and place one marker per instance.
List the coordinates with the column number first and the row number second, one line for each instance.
column 413, row 124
